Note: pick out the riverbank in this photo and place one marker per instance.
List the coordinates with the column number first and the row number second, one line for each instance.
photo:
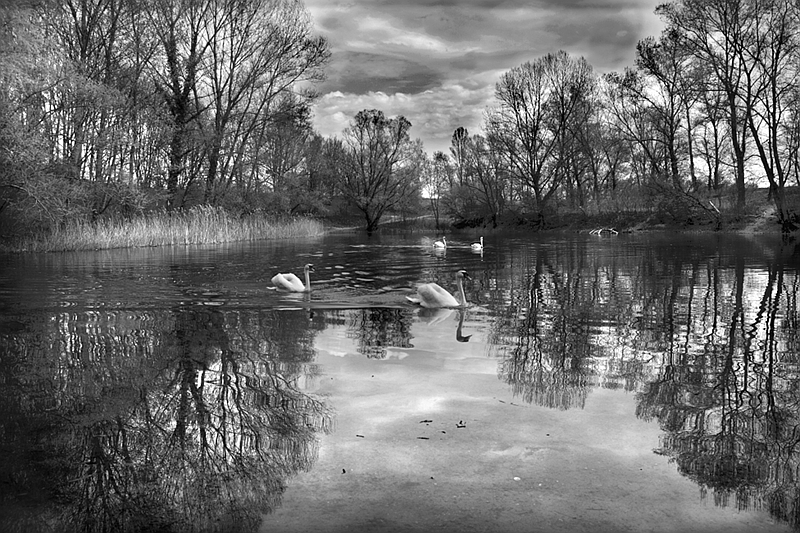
column 763, row 222
column 681, row 213
column 760, row 217
column 209, row 225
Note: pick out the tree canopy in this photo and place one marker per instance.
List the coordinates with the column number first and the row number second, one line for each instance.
column 118, row 107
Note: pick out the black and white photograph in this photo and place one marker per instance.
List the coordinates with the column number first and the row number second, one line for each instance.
column 407, row 266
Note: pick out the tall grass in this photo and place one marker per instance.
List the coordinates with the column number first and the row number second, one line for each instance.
column 200, row 225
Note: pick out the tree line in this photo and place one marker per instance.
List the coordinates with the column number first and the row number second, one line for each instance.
column 117, row 107
column 709, row 109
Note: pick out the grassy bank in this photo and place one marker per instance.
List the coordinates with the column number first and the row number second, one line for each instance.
column 203, row 225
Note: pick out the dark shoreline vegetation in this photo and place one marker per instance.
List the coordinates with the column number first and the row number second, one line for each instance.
column 209, row 225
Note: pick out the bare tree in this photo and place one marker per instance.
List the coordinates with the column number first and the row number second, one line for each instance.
column 458, row 147
column 536, row 102
column 180, row 27
column 631, row 119
column 717, row 32
column 774, row 52
column 258, row 49
column 713, row 133
column 436, row 177
column 666, row 63
column 488, row 181
column 382, row 165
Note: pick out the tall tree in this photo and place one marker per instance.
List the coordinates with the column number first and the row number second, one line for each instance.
column 88, row 32
column 665, row 62
column 714, row 138
column 181, row 28
column 775, row 51
column 717, row 32
column 631, row 119
column 35, row 80
column 436, row 178
column 536, row 102
column 487, row 182
column 458, row 149
column 258, row 49
column 382, row 166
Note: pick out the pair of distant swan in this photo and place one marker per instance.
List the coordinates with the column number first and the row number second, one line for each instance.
column 442, row 243
column 429, row 295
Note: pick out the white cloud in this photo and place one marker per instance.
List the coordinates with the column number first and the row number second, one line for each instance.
column 434, row 114
column 437, row 63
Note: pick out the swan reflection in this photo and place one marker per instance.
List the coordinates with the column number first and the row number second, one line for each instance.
column 460, row 337
column 433, row 317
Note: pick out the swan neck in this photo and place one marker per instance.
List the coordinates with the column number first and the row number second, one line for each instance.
column 461, row 290
column 308, row 281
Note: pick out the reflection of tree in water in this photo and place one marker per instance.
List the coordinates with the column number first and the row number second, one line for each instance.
column 712, row 349
column 547, row 332
column 728, row 392
column 287, row 335
column 189, row 422
column 375, row 329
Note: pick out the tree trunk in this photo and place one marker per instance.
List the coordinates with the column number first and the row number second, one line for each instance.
column 211, row 174
column 175, row 169
column 690, row 144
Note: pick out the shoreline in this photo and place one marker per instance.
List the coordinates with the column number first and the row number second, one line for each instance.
column 84, row 237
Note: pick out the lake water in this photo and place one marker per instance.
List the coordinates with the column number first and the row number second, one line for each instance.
column 625, row 383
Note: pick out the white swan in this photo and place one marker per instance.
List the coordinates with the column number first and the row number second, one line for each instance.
column 440, row 244
column 477, row 246
column 431, row 295
column 290, row 282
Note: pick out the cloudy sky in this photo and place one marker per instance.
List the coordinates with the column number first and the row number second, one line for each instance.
column 436, row 62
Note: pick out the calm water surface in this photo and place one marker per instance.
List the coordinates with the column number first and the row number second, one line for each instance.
column 628, row 383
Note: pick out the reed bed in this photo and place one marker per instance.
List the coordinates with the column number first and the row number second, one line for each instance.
column 200, row 225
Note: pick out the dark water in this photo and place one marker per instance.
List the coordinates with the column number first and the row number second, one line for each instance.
column 615, row 383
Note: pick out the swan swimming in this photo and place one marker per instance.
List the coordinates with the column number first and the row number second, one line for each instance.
column 440, row 244
column 477, row 246
column 290, row 282
column 431, row 295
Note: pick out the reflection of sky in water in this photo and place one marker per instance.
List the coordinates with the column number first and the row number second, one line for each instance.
column 398, row 455
column 439, row 373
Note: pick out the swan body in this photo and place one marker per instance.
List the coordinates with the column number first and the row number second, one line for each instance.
column 441, row 243
column 477, row 246
column 290, row 282
column 432, row 295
